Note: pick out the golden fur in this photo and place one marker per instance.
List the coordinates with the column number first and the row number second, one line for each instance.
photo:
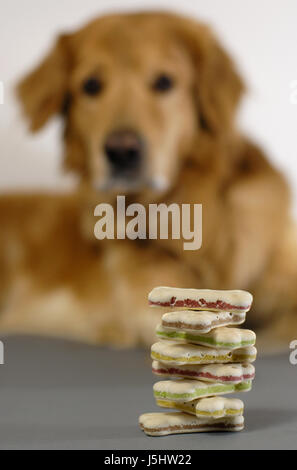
column 56, row 277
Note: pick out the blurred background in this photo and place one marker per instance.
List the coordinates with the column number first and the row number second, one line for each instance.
column 261, row 36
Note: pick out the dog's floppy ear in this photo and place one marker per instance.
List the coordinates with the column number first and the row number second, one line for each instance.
column 217, row 84
column 42, row 92
column 219, row 87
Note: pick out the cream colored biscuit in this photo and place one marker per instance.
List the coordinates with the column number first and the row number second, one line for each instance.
column 170, row 352
column 187, row 390
column 200, row 321
column 223, row 338
column 213, row 407
column 225, row 373
column 201, row 299
column 161, row 424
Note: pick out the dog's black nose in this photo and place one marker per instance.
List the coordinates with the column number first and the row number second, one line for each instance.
column 123, row 149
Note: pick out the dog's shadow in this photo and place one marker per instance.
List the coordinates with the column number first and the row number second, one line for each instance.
column 258, row 419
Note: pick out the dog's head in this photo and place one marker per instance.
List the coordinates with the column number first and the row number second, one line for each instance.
column 135, row 91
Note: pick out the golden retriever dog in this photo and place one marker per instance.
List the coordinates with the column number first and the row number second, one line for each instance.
column 149, row 105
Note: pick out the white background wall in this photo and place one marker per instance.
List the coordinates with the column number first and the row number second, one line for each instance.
column 260, row 34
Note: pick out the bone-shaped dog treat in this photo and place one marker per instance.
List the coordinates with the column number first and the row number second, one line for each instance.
column 202, row 299
column 170, row 352
column 213, row 407
column 222, row 338
column 226, row 373
column 161, row 424
column 200, row 321
column 187, row 390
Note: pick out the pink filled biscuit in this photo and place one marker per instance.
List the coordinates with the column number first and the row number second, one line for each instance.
column 201, row 299
column 226, row 373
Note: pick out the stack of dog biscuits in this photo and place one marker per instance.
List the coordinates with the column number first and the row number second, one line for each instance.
column 205, row 356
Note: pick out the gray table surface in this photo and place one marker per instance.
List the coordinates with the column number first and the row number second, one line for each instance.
column 62, row 395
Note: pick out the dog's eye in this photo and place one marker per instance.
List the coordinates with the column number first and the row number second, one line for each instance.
column 163, row 83
column 92, row 86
